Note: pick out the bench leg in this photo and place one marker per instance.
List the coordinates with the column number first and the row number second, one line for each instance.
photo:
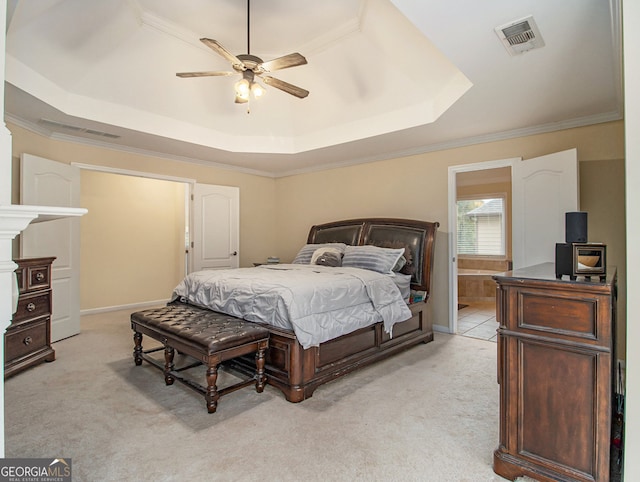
column 260, row 376
column 168, row 365
column 137, row 350
column 212, row 394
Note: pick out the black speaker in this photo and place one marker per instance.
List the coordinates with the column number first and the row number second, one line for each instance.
column 575, row 228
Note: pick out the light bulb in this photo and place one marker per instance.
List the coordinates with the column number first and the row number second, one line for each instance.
column 242, row 88
column 257, row 89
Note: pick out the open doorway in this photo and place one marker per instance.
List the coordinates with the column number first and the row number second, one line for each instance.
column 133, row 240
column 483, row 212
column 480, row 197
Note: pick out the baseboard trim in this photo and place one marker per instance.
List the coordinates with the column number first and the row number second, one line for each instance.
column 131, row 306
column 441, row 329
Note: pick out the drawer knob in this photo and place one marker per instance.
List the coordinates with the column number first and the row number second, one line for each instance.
column 39, row 276
column 31, row 307
column 27, row 340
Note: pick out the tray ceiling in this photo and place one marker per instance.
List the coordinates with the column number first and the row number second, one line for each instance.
column 385, row 78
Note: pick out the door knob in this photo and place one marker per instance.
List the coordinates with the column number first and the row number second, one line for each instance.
column 235, row 253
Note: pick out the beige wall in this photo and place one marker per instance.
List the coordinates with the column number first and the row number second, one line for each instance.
column 275, row 215
column 602, row 195
column 257, row 195
column 132, row 239
column 416, row 187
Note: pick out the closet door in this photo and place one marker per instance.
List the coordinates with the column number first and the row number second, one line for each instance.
column 216, row 227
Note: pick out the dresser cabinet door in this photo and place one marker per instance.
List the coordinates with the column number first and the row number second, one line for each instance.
column 559, row 407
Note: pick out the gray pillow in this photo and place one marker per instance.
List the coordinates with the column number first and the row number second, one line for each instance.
column 306, row 252
column 373, row 258
column 329, row 259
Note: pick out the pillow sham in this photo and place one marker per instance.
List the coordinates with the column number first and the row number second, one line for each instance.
column 372, row 258
column 306, row 252
column 327, row 257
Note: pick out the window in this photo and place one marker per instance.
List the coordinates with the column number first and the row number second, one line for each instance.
column 481, row 226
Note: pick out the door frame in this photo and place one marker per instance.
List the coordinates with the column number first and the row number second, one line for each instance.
column 189, row 183
column 453, row 228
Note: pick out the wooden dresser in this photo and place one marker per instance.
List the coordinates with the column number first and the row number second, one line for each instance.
column 556, row 363
column 28, row 338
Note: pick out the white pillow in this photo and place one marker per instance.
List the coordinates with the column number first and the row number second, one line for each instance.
column 372, row 258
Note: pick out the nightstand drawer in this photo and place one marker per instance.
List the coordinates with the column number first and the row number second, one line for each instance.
column 30, row 307
column 27, row 339
column 34, row 274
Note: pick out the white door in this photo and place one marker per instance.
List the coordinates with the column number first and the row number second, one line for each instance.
column 216, row 227
column 49, row 183
column 544, row 189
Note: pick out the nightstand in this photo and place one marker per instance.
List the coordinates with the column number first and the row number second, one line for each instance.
column 28, row 338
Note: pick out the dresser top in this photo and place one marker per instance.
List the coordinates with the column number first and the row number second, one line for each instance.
column 546, row 272
column 34, row 261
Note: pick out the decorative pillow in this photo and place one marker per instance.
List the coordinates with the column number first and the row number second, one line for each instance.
column 408, row 267
column 333, row 253
column 329, row 258
column 399, row 264
column 373, row 258
column 306, row 252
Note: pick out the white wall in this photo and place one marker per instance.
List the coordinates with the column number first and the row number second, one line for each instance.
column 6, row 265
column 631, row 20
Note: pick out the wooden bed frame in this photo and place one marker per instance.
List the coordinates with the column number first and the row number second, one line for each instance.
column 298, row 372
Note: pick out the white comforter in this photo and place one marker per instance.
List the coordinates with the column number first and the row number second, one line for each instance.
column 317, row 302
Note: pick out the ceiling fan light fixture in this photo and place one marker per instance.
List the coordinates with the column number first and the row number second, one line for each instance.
column 250, row 67
column 242, row 88
column 257, row 90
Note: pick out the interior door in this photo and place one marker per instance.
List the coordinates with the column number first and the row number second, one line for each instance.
column 49, row 183
column 544, row 189
column 216, row 227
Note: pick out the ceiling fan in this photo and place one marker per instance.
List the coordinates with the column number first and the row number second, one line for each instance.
column 253, row 68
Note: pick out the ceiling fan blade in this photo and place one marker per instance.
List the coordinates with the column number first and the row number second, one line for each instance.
column 203, row 74
column 285, row 86
column 291, row 60
column 220, row 50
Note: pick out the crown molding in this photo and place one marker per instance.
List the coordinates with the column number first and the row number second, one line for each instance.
column 438, row 146
column 130, row 150
column 466, row 141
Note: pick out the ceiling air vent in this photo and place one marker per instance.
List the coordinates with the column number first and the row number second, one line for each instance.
column 520, row 35
column 55, row 125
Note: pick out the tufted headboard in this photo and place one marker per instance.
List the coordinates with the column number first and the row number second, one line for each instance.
column 417, row 237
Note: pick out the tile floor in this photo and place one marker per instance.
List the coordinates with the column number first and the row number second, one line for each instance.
column 478, row 320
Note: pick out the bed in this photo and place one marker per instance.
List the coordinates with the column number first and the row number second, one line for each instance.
column 383, row 314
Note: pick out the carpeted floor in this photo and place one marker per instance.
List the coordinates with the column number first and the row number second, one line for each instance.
column 428, row 414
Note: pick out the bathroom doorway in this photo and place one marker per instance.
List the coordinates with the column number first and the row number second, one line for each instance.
column 483, row 206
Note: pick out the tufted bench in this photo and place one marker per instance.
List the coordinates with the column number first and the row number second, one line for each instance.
column 209, row 337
